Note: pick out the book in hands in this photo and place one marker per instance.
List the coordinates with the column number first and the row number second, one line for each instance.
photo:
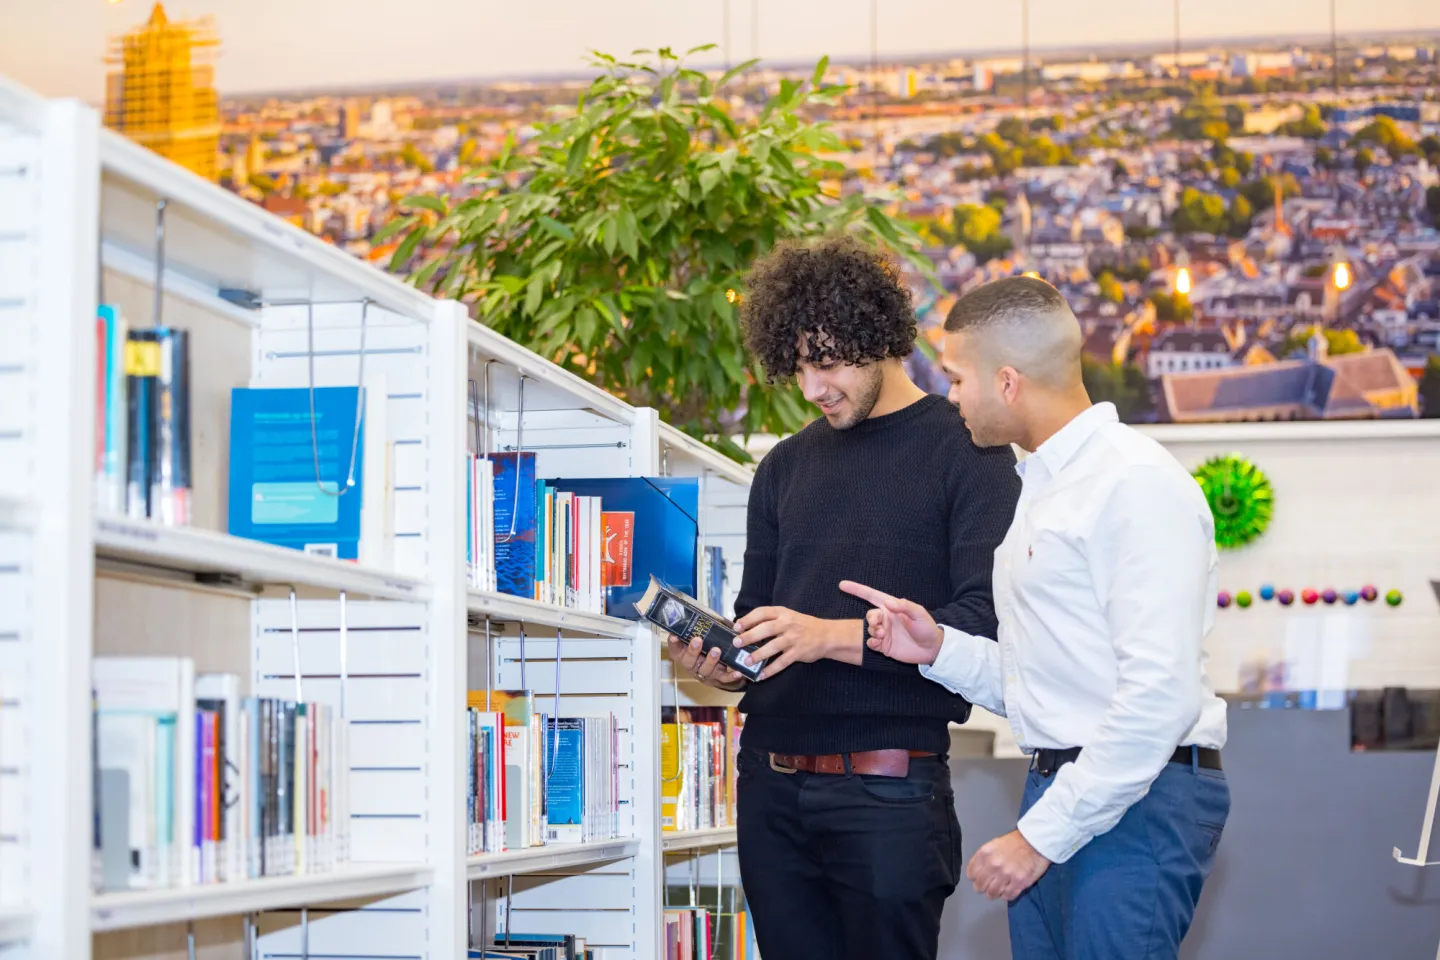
column 684, row 617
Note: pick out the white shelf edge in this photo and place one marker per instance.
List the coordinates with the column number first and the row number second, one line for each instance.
column 698, row 839
column 191, row 550
column 550, row 857
column 129, row 161
column 527, row 363
column 1296, row 431
column 503, row 607
column 709, row 458
column 15, row 924
column 143, row 908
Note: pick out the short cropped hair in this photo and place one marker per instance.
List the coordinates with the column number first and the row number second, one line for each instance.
column 842, row 297
column 1024, row 323
column 1005, row 301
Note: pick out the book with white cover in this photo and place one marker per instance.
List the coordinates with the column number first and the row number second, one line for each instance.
column 163, row 689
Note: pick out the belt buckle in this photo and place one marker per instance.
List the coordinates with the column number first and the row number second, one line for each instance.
column 780, row 769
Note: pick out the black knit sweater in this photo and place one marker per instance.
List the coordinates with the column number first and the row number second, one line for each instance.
column 904, row 503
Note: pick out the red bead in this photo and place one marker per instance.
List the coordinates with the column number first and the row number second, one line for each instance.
column 1309, row 595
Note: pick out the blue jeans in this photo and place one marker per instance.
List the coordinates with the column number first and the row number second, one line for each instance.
column 1128, row 894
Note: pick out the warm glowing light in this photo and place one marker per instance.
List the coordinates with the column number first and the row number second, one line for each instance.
column 112, row 2
column 731, row 295
column 1182, row 281
column 1031, row 274
column 1342, row 275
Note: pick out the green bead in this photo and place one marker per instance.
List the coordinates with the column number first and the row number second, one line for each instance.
column 1243, row 598
column 1394, row 598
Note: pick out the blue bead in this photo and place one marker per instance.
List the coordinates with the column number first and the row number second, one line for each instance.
column 1267, row 592
column 1351, row 597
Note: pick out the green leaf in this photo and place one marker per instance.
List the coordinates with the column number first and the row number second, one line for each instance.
column 557, row 228
column 626, row 230
column 407, row 246
column 425, row 202
column 819, row 75
column 579, row 150
column 708, row 178
column 534, row 290
column 392, row 228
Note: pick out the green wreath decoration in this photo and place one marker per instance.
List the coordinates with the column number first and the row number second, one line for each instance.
column 1240, row 497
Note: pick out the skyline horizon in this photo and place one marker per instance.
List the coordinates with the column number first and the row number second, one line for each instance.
column 45, row 49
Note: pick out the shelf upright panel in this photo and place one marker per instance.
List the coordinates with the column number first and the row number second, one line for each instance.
column 48, row 195
column 650, row 858
column 449, row 915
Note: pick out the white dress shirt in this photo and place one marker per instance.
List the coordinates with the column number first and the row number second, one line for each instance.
column 1105, row 589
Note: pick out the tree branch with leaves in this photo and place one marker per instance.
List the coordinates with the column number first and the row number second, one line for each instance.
column 616, row 241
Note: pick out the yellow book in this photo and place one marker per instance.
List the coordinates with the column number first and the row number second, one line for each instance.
column 671, row 777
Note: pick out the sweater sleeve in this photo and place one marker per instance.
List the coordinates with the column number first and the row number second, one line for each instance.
column 983, row 496
column 757, row 580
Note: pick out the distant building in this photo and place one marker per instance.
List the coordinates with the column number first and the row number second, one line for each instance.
column 1188, row 351
column 162, row 96
column 1354, row 386
column 349, row 126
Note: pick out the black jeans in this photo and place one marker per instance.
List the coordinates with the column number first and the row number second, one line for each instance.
column 847, row 866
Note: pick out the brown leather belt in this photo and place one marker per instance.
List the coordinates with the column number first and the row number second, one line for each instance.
column 881, row 763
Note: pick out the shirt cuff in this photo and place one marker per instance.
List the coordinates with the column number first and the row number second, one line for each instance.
column 1052, row 838
column 955, row 663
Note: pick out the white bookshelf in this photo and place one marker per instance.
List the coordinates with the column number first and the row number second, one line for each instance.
column 395, row 648
column 697, row 840
column 142, row 908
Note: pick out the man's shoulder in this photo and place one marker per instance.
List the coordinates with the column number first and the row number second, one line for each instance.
column 1138, row 461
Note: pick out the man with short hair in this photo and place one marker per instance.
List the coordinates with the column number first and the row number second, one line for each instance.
column 848, row 839
column 1104, row 591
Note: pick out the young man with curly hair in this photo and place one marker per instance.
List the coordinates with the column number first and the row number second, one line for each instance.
column 849, row 844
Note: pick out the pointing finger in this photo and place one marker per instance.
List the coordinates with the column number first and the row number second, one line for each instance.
column 868, row 594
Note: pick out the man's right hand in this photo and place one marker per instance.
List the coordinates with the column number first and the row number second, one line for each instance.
column 707, row 669
column 900, row 629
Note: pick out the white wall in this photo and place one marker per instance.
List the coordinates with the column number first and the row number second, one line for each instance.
column 1355, row 503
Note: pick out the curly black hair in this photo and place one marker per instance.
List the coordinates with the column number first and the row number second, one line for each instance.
column 844, row 298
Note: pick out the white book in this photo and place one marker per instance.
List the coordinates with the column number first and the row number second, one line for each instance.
column 164, row 688
column 127, row 741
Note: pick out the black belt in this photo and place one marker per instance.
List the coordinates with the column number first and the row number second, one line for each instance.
column 1048, row 761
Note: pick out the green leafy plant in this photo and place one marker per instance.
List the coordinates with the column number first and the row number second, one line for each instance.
column 616, row 241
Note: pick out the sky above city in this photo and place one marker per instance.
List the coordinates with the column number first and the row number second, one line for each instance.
column 57, row 46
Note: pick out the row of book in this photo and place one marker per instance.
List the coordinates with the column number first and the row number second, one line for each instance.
column 528, row 538
column 698, row 750
column 142, row 420
column 197, row 784
column 710, row 932
column 535, row 779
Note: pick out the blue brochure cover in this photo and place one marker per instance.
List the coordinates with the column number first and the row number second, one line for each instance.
column 515, row 523
column 274, row 496
column 666, row 532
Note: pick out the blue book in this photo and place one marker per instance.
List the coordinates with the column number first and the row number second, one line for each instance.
column 515, row 514
column 666, row 533
column 565, row 783
column 274, row 494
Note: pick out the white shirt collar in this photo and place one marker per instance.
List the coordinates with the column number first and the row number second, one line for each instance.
column 1061, row 448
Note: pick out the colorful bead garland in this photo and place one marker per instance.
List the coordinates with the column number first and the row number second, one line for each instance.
column 1309, row 596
